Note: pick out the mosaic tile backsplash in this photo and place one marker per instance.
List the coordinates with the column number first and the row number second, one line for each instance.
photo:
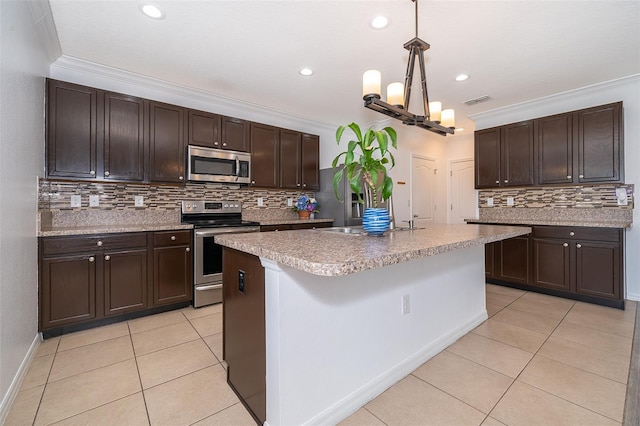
column 573, row 197
column 56, row 196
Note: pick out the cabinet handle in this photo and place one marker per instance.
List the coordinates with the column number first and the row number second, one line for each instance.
column 92, row 259
column 298, row 185
column 181, row 178
column 107, row 257
column 173, row 238
column 304, row 185
column 99, row 243
column 216, row 144
column 498, row 181
column 187, row 249
column 224, row 144
column 565, row 245
column 578, row 245
column 106, row 173
column 253, row 182
column 571, row 234
column 568, row 176
column 92, row 172
column 581, row 176
column 506, row 181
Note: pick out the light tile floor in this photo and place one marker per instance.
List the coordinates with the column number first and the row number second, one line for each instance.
column 537, row 360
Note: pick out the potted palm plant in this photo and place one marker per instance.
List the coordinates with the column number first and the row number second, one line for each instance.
column 364, row 165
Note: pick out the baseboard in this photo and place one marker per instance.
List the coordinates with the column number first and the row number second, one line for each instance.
column 350, row 404
column 633, row 296
column 14, row 388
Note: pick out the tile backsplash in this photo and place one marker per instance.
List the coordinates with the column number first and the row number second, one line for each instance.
column 56, row 196
column 572, row 197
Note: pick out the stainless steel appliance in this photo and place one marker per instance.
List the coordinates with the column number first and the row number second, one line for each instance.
column 218, row 165
column 347, row 212
column 211, row 218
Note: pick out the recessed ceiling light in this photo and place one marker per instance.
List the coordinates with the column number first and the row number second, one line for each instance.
column 306, row 72
column 462, row 77
column 379, row 22
column 152, row 11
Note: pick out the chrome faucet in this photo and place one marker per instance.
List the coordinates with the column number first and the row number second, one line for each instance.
column 410, row 222
column 392, row 220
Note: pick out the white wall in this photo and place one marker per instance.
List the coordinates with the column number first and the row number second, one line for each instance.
column 626, row 90
column 23, row 63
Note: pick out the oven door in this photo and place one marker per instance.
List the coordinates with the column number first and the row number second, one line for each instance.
column 207, row 263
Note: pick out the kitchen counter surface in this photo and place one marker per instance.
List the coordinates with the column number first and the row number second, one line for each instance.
column 292, row 221
column 529, row 221
column 57, row 231
column 327, row 253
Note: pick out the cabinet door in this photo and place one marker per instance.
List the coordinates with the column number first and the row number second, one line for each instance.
column 490, row 259
column 598, row 269
column 517, row 165
column 67, row 290
column 513, row 262
column 265, row 151
column 290, row 155
column 172, row 275
column 600, row 150
column 487, row 158
column 166, row 143
column 235, row 134
column 555, row 149
column 204, row 129
column 123, row 138
column 125, row 281
column 72, row 132
column 551, row 264
column 310, row 162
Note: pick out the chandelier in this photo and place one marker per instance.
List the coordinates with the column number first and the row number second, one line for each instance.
column 434, row 119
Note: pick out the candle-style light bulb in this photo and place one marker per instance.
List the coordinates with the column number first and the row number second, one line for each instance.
column 395, row 94
column 371, row 83
column 448, row 119
column 435, row 109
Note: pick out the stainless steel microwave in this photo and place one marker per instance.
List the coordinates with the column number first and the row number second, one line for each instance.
column 218, row 165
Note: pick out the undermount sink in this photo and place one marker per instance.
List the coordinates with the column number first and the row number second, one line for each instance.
column 405, row 229
column 353, row 230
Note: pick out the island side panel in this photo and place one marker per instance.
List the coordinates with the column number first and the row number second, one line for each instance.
column 244, row 329
column 334, row 343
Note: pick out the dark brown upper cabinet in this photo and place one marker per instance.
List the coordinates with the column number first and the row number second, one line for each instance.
column 577, row 147
column 265, row 150
column 72, row 130
column 599, row 136
column 217, row 131
column 166, row 143
column 310, row 162
column 290, row 156
column 504, row 156
column 124, row 138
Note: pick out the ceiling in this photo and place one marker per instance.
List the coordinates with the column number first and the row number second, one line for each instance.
column 513, row 51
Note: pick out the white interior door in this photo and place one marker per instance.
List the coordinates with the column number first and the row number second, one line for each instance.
column 463, row 195
column 423, row 190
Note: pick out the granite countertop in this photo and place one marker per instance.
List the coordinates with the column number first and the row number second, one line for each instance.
column 56, row 231
column 292, row 221
column 532, row 221
column 329, row 253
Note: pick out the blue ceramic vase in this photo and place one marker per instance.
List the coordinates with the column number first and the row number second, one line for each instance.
column 375, row 220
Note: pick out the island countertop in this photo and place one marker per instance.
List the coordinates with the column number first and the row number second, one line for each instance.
column 326, row 253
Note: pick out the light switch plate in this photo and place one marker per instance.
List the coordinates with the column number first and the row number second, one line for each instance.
column 621, row 195
column 76, row 201
column 139, row 201
column 490, row 202
column 289, row 202
column 510, row 201
column 94, row 200
column 260, row 202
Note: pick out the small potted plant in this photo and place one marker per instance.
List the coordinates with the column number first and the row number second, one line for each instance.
column 365, row 163
column 305, row 206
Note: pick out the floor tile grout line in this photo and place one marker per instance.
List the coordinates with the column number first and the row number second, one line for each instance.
column 181, row 376
column 144, row 399
column 370, row 412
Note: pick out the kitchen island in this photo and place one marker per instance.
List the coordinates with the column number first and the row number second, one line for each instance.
column 319, row 322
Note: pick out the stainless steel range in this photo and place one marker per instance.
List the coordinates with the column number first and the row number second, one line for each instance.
column 211, row 218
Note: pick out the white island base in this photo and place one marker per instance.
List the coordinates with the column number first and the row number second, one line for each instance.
column 335, row 343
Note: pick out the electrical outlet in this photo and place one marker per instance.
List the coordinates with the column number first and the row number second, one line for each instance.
column 76, row 201
column 406, row 304
column 139, row 201
column 490, row 202
column 289, row 202
column 260, row 202
column 621, row 195
column 94, row 200
column 510, row 201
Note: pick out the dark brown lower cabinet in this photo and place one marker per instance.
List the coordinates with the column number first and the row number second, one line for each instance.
column 244, row 329
column 581, row 263
column 90, row 280
column 294, row 226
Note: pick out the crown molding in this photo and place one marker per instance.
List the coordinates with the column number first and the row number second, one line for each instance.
column 109, row 78
column 499, row 115
column 46, row 27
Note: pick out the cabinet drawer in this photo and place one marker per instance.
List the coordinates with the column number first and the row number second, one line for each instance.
column 269, row 228
column 577, row 233
column 169, row 238
column 75, row 244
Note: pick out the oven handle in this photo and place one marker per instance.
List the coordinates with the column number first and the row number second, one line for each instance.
column 212, row 232
column 208, row 287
